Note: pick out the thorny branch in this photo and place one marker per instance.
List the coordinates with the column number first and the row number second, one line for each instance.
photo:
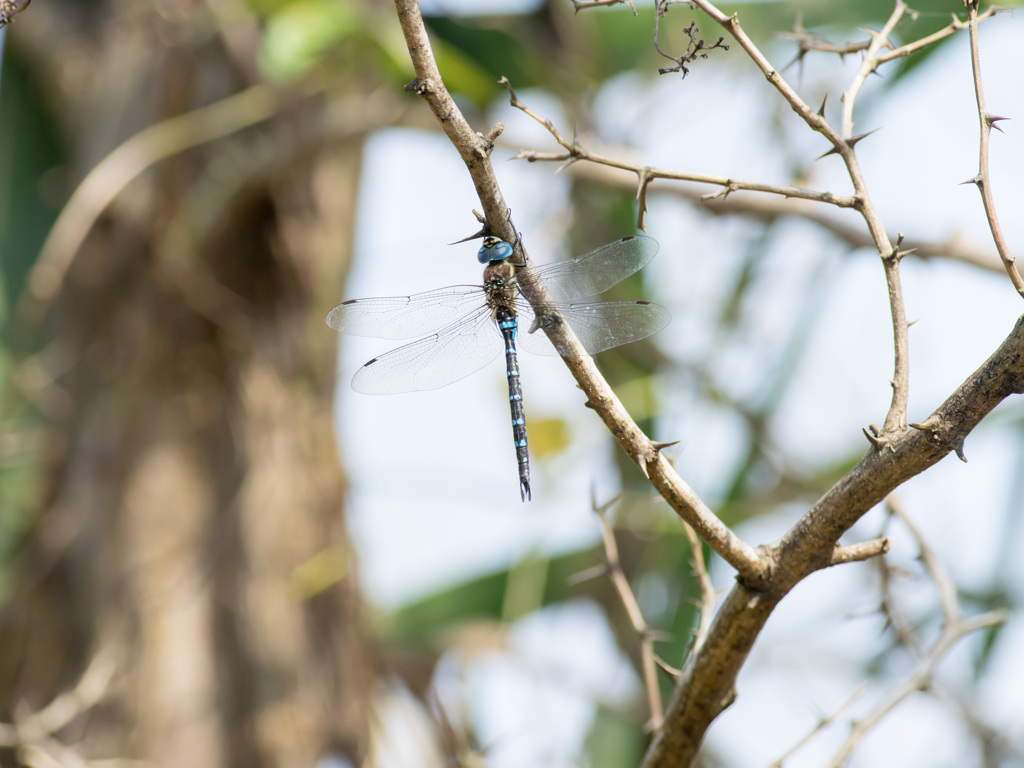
column 767, row 208
column 983, row 179
column 809, row 42
column 868, row 65
column 475, row 152
column 842, row 145
column 646, row 174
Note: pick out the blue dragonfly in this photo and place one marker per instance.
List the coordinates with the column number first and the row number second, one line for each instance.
column 466, row 322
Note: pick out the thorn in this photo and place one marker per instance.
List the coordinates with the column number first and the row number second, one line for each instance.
column 853, row 140
column 660, row 446
column 821, row 109
column 566, row 164
column 643, row 468
column 958, row 447
column 975, row 180
column 484, row 232
column 877, row 442
column 850, row 142
column 833, row 151
column 991, row 120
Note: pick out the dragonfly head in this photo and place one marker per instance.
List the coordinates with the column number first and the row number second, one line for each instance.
column 493, row 249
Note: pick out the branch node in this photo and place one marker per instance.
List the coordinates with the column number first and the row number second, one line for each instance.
column 493, row 134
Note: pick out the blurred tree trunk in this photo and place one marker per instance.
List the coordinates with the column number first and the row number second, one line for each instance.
column 191, row 527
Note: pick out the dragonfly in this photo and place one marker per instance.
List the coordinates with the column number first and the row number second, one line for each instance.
column 462, row 326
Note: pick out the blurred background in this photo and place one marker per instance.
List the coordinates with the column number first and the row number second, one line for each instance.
column 213, row 552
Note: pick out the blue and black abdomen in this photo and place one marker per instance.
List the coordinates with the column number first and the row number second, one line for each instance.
column 506, row 320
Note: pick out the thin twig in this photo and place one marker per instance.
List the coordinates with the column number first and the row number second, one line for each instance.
column 767, row 208
column 954, row 26
column 807, row 41
column 868, row 65
column 648, row 662
column 706, row 601
column 983, row 180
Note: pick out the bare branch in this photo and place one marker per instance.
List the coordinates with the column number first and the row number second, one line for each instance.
column 648, row 662
column 706, row 602
column 868, row 65
column 954, row 26
column 842, row 144
column 645, row 174
column 983, row 179
column 638, row 446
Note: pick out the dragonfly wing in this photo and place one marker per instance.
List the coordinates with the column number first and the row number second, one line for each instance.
column 598, row 326
column 434, row 361
column 402, row 317
column 597, row 271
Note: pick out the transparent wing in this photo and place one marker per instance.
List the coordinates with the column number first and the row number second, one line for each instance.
column 597, row 271
column 598, row 326
column 450, row 354
column 402, row 317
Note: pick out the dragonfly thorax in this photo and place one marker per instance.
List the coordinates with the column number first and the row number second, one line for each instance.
column 500, row 286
